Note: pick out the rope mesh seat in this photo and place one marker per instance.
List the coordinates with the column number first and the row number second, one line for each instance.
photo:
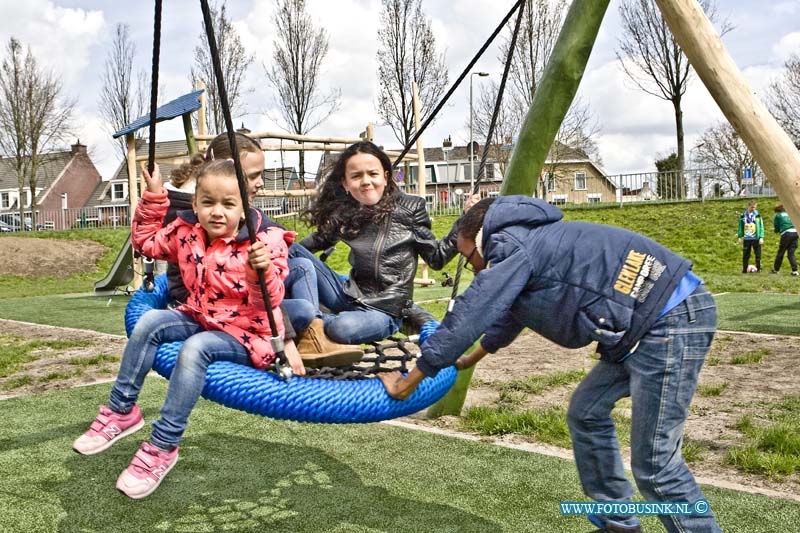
column 302, row 399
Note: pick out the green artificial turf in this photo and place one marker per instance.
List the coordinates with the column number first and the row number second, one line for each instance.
column 240, row 472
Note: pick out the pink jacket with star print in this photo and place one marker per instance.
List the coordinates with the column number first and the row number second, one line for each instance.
column 224, row 290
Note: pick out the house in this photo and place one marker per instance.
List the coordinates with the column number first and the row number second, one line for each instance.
column 568, row 176
column 65, row 180
column 109, row 202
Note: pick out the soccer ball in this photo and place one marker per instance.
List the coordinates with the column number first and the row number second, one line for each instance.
column 752, row 268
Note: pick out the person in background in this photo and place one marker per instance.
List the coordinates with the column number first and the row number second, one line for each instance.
column 783, row 225
column 751, row 235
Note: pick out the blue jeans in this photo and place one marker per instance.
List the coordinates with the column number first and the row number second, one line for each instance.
column 302, row 300
column 199, row 350
column 349, row 322
column 660, row 377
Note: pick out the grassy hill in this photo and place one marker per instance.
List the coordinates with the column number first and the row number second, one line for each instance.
column 705, row 233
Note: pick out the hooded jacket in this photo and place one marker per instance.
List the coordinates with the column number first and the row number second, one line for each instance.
column 384, row 256
column 571, row 282
column 224, row 293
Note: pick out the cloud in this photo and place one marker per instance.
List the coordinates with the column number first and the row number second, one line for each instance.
column 787, row 45
column 60, row 38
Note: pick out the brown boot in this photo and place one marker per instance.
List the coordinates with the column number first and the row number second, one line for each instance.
column 317, row 350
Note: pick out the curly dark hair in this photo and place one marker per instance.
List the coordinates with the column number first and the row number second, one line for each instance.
column 337, row 214
column 472, row 221
column 219, row 148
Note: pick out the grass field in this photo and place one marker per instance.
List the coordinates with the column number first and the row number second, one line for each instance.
column 240, row 472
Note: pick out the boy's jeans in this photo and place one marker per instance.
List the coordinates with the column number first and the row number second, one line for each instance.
column 351, row 323
column 660, row 377
column 199, row 350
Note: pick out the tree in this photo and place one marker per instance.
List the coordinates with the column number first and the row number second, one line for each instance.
column 651, row 57
column 123, row 98
column 541, row 25
column 784, row 98
column 295, row 75
column 235, row 61
column 34, row 116
column 671, row 184
column 721, row 147
column 407, row 53
column 509, row 121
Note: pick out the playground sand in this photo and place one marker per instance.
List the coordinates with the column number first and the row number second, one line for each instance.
column 26, row 256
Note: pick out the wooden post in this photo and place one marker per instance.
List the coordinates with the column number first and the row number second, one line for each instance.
column 201, row 113
column 370, row 132
column 768, row 142
column 133, row 200
column 421, row 173
column 191, row 144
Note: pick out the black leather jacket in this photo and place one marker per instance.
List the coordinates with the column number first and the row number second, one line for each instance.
column 384, row 257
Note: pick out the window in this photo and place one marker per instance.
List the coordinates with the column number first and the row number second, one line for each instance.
column 5, row 200
column 580, row 181
column 559, row 199
column 493, row 194
column 551, row 181
column 118, row 191
column 594, row 198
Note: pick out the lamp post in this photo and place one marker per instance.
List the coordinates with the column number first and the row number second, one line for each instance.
column 447, row 146
column 471, row 149
column 699, row 174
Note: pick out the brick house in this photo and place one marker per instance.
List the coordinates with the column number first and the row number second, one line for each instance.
column 109, row 201
column 65, row 180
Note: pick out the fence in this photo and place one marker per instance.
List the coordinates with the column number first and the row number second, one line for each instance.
column 585, row 190
column 448, row 199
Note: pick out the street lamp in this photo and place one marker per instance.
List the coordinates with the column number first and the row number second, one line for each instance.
column 447, row 147
column 471, row 148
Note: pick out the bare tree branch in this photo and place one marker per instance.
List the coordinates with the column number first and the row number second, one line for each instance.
column 784, row 98
column 407, row 53
column 538, row 34
column 235, row 61
column 721, row 147
column 123, row 98
column 295, row 75
column 34, row 116
column 651, row 57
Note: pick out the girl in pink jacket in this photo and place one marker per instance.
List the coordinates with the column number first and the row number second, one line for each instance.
column 224, row 318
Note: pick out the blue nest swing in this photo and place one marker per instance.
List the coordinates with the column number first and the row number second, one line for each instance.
column 301, row 399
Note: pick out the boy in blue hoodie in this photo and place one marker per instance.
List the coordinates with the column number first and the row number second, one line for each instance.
column 576, row 283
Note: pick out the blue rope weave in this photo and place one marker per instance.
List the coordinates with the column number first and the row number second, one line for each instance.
column 301, row 399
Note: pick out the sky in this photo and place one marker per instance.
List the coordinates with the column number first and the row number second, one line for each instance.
column 72, row 37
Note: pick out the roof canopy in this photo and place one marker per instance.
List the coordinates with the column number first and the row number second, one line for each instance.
column 180, row 106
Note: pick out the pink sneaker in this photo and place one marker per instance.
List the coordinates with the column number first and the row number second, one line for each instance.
column 107, row 429
column 147, row 469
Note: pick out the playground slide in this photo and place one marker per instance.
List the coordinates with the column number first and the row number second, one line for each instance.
column 121, row 273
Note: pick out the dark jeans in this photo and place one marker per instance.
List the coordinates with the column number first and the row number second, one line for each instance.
column 788, row 244
column 754, row 244
column 660, row 377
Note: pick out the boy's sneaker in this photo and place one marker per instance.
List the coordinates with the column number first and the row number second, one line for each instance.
column 773, row 271
column 795, row 273
column 147, row 469
column 107, row 429
column 606, row 525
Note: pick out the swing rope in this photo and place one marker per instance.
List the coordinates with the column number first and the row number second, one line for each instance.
column 329, row 395
column 275, row 340
column 464, row 73
column 482, row 167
